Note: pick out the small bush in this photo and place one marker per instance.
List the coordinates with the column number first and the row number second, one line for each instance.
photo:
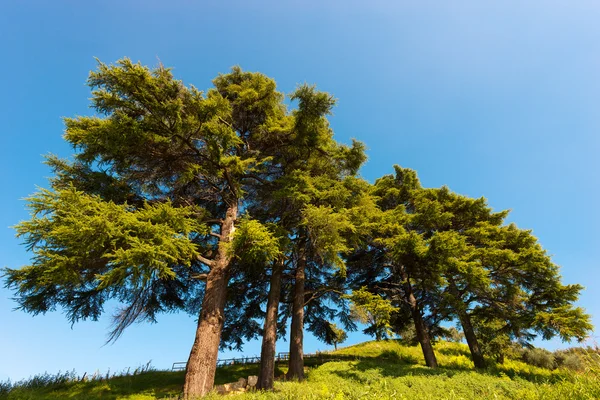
column 539, row 358
column 573, row 362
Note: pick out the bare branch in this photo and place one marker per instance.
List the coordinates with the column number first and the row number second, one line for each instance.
column 318, row 294
column 255, row 177
column 213, row 221
column 200, row 277
column 206, row 261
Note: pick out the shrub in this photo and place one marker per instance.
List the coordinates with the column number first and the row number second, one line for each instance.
column 539, row 358
column 573, row 362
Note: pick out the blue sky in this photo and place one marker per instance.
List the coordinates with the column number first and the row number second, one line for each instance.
column 496, row 99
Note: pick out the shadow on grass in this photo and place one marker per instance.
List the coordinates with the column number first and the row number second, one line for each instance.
column 391, row 364
column 498, row 370
column 454, row 351
column 388, row 368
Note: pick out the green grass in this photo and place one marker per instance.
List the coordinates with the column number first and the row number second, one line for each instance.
column 372, row 370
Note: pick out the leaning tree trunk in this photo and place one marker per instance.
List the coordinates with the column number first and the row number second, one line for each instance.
column 465, row 321
column 202, row 363
column 266, row 375
column 476, row 354
column 420, row 328
column 296, row 362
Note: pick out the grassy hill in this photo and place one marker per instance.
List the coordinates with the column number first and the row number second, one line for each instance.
column 371, row 370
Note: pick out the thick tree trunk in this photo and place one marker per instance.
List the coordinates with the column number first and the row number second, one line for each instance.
column 465, row 321
column 420, row 328
column 266, row 376
column 296, row 363
column 202, row 363
column 476, row 354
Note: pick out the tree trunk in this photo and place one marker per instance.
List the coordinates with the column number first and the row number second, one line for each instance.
column 202, row 363
column 335, row 345
column 422, row 333
column 465, row 321
column 476, row 354
column 296, row 363
column 266, row 376
column 420, row 328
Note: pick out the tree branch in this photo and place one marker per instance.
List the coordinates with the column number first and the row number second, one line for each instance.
column 206, row 261
column 215, row 235
column 255, row 177
column 318, row 294
column 213, row 221
column 200, row 277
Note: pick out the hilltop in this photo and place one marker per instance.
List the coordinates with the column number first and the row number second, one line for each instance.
column 370, row 370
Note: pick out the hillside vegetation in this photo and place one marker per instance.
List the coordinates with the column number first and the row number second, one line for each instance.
column 371, row 370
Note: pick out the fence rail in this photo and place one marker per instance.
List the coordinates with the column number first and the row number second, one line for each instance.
column 181, row 366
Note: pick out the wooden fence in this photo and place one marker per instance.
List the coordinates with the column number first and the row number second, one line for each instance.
column 319, row 357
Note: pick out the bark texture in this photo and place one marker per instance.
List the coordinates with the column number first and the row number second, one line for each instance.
column 420, row 328
column 296, row 362
column 202, row 363
column 266, row 375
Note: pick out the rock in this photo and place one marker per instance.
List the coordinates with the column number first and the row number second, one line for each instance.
column 252, row 380
column 221, row 389
column 240, row 384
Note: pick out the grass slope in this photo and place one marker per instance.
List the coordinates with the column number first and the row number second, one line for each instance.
column 371, row 370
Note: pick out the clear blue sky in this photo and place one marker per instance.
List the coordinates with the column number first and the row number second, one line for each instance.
column 498, row 99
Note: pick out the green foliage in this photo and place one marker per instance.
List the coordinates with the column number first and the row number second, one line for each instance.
column 463, row 264
column 564, row 320
column 372, row 309
column 254, row 243
column 87, row 250
column 163, row 163
column 326, row 230
column 335, row 335
column 540, row 358
column 575, row 359
column 570, row 360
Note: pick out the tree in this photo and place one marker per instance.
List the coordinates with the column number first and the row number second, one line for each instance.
column 390, row 260
column 305, row 201
column 480, row 271
column 454, row 335
column 149, row 207
column 449, row 257
column 325, row 233
column 335, row 335
column 373, row 310
column 500, row 275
